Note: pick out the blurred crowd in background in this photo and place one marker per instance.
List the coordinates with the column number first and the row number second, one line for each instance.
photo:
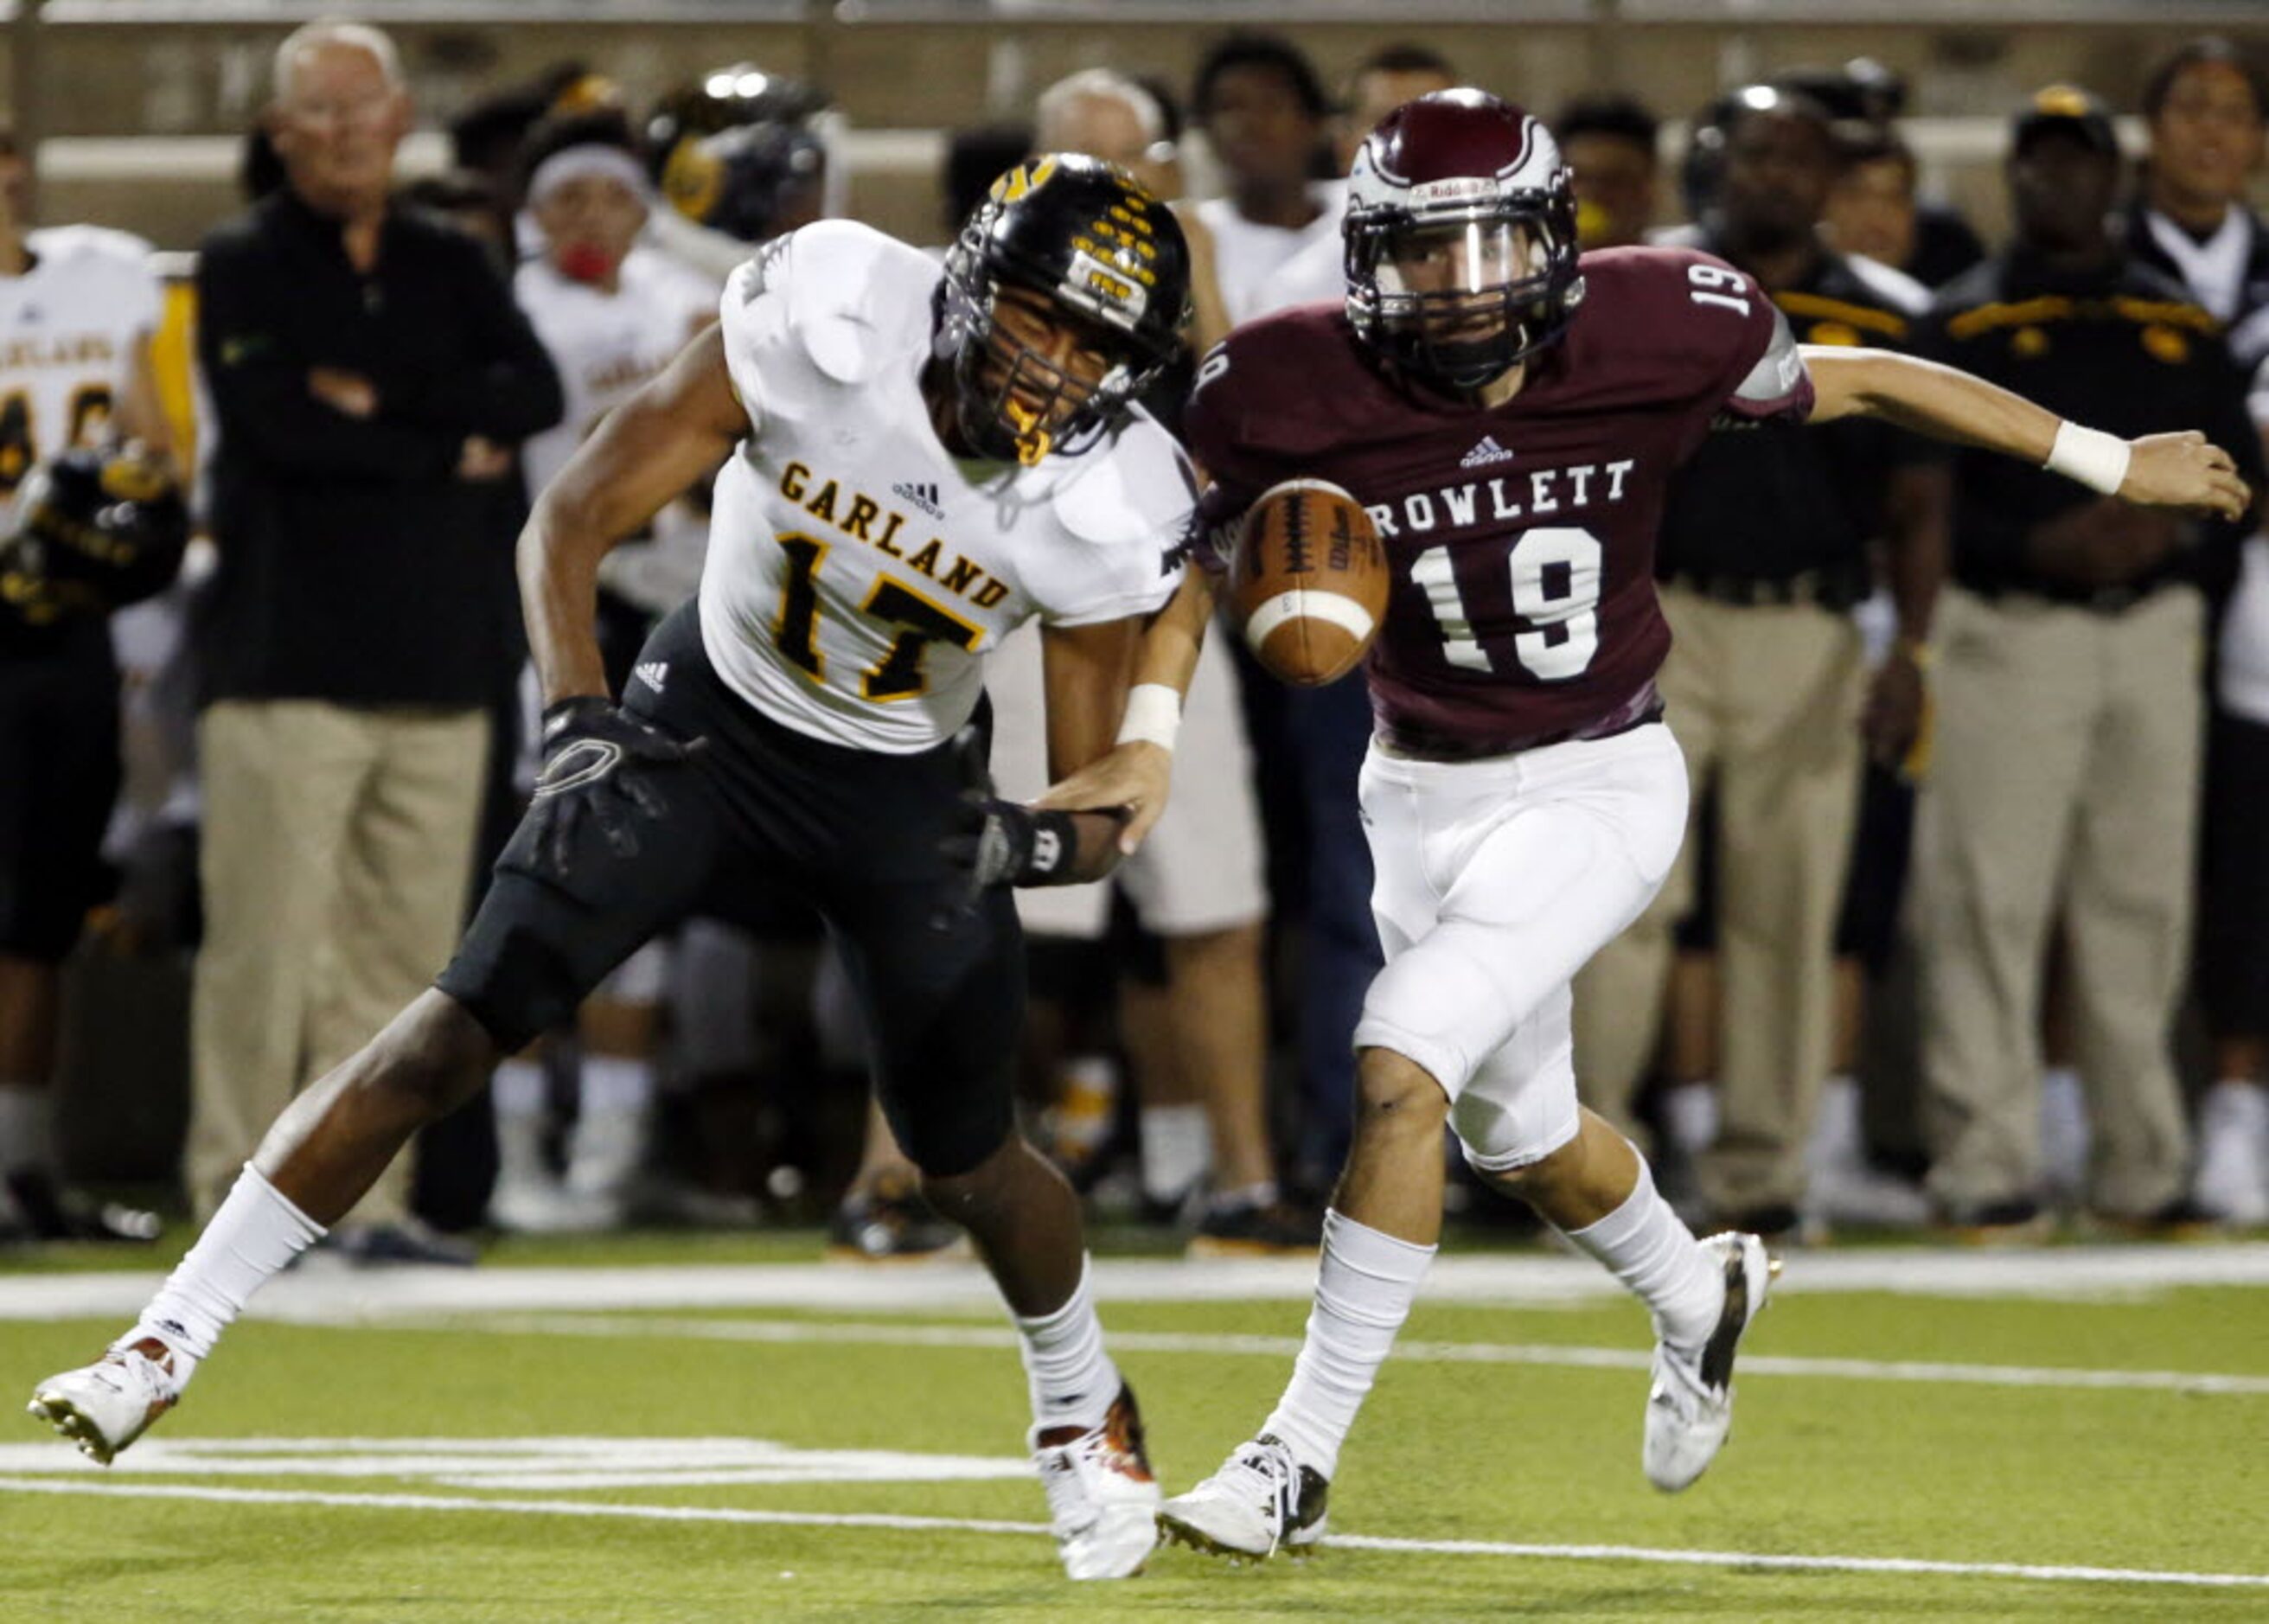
column 1971, row 930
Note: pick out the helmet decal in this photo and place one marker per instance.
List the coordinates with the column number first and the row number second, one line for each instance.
column 1103, row 254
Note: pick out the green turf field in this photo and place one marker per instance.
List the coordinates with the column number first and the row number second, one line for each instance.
column 525, row 1447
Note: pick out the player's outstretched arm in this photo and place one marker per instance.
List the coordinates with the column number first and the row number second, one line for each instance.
column 2180, row 471
column 649, row 450
column 1133, row 777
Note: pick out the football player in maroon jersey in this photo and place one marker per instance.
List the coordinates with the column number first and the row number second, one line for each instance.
column 1509, row 415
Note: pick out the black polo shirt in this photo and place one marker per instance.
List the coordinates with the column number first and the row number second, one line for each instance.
column 2248, row 330
column 1760, row 507
column 355, row 565
column 2119, row 348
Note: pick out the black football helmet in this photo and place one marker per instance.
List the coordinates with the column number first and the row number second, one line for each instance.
column 1105, row 252
column 1460, row 234
column 98, row 529
column 742, row 152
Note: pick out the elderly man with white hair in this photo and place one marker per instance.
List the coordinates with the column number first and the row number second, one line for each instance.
column 369, row 372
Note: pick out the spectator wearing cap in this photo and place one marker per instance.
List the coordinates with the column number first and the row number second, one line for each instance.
column 1763, row 554
column 2205, row 105
column 369, row 371
column 2064, row 777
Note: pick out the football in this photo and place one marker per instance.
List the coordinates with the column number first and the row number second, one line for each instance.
column 1308, row 582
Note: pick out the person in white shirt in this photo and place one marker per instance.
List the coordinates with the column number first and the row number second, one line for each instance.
column 612, row 311
column 1386, row 79
column 2207, row 108
column 1262, row 109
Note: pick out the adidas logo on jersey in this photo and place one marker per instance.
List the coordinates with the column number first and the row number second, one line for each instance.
column 923, row 496
column 1488, row 452
column 652, row 672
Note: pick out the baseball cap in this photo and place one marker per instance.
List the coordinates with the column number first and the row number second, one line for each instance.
column 2064, row 108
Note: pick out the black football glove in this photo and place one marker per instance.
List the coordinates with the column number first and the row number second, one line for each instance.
column 996, row 842
column 1002, row 843
column 596, row 759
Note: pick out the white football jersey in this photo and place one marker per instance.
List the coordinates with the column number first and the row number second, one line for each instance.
column 858, row 571
column 604, row 345
column 68, row 331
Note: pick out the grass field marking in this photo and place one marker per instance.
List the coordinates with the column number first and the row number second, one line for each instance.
column 549, row 1463
column 950, row 1524
column 1932, row 1371
column 325, row 1289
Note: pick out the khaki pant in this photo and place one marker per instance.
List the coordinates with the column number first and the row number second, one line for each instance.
column 2064, row 787
column 1765, row 701
column 337, row 851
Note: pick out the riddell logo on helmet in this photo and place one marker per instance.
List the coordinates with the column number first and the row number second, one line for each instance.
column 1457, row 189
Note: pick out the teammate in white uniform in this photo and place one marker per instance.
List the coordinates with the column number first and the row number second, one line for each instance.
column 78, row 306
column 612, row 314
column 913, row 467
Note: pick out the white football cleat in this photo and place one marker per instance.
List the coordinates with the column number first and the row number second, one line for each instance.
column 1690, row 1408
column 105, row 1405
column 1261, row 1501
column 1102, row 1493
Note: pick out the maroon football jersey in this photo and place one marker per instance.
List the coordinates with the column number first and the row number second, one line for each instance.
column 1519, row 538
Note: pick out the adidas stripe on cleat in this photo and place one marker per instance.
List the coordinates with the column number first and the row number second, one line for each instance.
column 1689, row 1404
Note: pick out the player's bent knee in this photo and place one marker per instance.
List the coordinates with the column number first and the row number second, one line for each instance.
column 966, row 1194
column 1394, row 1094
column 434, row 1055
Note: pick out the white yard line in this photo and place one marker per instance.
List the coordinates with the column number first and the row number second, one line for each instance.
column 324, row 1291
column 1405, row 1352
column 947, row 1525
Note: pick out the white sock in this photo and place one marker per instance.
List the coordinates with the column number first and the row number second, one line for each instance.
column 1071, row 1378
column 519, row 1088
column 255, row 1233
column 1177, row 1149
column 23, row 1126
column 1363, row 1291
column 1643, row 1243
column 1690, row 1112
column 615, row 1084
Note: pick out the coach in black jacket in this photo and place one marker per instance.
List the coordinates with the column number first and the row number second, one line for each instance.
column 369, row 372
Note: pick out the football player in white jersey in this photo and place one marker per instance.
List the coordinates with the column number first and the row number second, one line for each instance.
column 77, row 308
column 914, row 465
column 612, row 312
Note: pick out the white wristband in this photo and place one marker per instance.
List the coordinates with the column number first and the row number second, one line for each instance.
column 1154, row 715
column 2089, row 456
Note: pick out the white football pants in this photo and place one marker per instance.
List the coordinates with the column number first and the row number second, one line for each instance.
column 1497, row 880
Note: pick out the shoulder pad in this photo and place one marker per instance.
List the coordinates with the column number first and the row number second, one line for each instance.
column 847, row 296
column 1131, row 488
column 63, row 243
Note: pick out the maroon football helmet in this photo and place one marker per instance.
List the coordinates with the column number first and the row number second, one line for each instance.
column 1460, row 239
